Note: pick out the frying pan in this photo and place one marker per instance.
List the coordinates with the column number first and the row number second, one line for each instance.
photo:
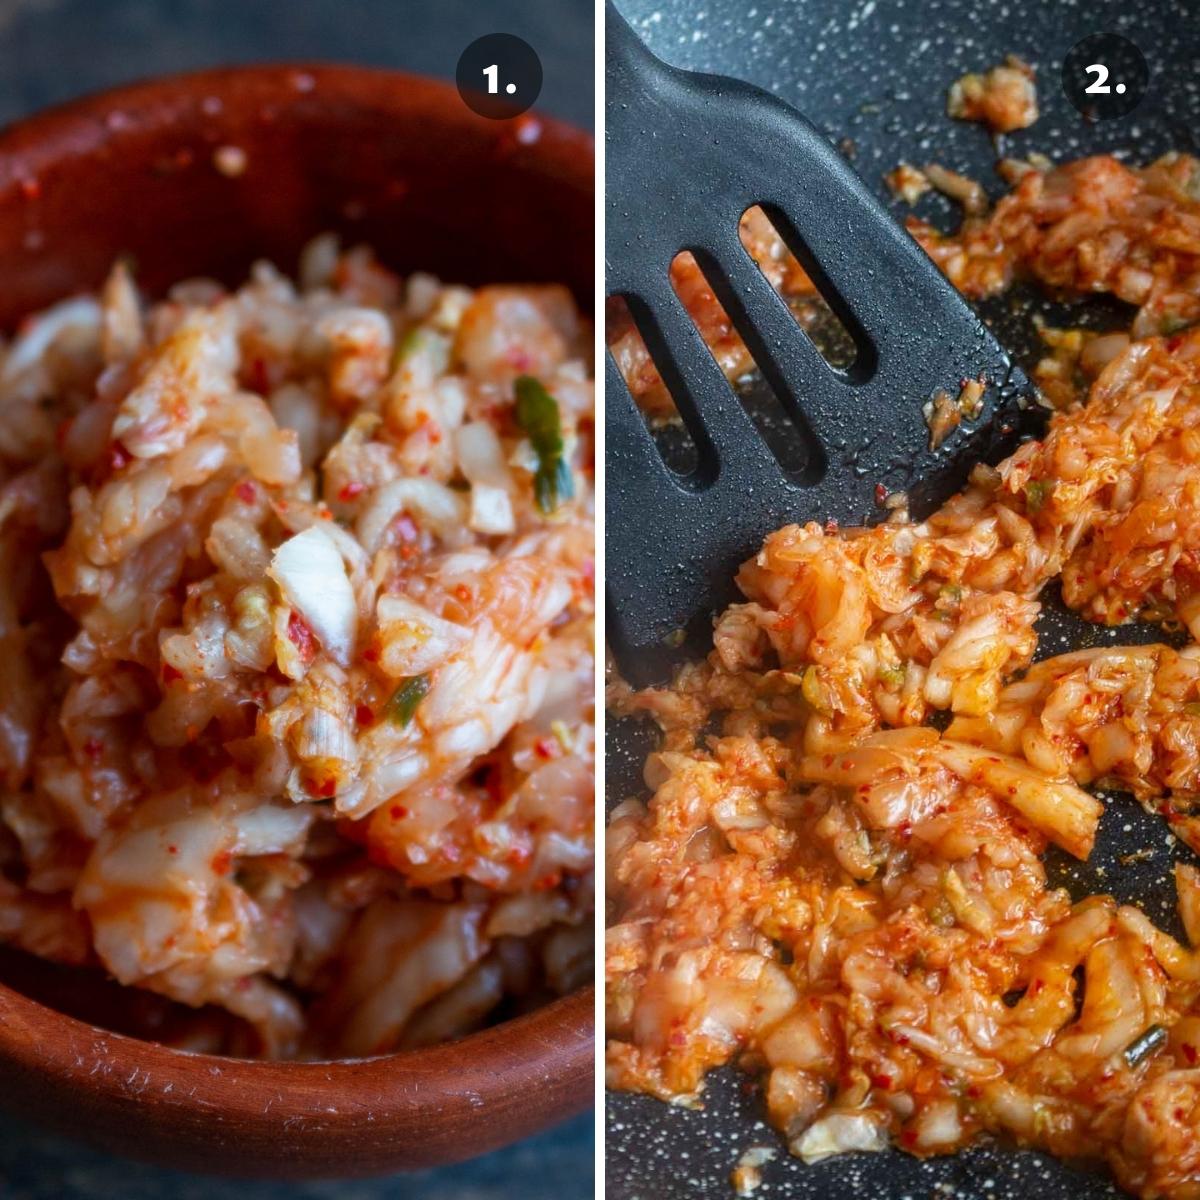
column 876, row 72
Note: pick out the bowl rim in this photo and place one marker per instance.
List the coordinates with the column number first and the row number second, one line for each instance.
column 554, row 1041
column 23, row 1024
column 82, row 121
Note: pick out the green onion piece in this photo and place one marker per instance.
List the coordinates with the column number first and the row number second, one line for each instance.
column 1144, row 1045
column 813, row 692
column 538, row 416
column 410, row 343
column 401, row 708
column 1174, row 324
column 422, row 341
column 1036, row 493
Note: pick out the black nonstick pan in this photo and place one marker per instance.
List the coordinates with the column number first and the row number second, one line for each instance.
column 873, row 75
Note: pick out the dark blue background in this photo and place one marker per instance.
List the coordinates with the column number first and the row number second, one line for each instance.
column 51, row 50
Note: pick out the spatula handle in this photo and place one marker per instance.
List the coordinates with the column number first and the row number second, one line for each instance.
column 627, row 63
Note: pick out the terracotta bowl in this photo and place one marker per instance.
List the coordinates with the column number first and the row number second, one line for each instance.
column 401, row 163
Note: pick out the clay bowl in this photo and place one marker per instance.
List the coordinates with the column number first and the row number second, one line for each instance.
column 401, row 163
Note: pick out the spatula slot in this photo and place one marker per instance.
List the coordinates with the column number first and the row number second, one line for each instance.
column 654, row 402
column 798, row 288
column 784, row 431
column 724, row 436
column 775, row 245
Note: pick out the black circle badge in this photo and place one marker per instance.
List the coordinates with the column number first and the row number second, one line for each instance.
column 499, row 76
column 1105, row 76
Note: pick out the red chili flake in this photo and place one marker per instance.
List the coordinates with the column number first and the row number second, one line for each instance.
column 326, row 788
column 518, row 856
column 301, row 636
column 247, row 491
column 434, row 435
column 364, row 714
column 93, row 749
column 170, row 673
column 908, row 1137
column 31, row 188
column 974, row 1091
column 222, row 862
column 172, row 849
column 463, row 593
column 545, row 747
column 881, row 494
column 882, row 1081
column 1189, row 1052
column 62, row 430
column 349, row 490
column 547, row 882
column 397, row 812
column 371, row 654
column 1035, row 987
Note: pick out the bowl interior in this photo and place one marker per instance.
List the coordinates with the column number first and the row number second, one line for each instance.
column 394, row 161
column 400, row 164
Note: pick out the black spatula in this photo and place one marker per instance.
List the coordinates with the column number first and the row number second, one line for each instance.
column 687, row 154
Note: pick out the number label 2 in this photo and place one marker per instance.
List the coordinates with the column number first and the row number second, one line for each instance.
column 1098, row 87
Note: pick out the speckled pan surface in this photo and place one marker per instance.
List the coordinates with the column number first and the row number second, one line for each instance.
column 876, row 72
